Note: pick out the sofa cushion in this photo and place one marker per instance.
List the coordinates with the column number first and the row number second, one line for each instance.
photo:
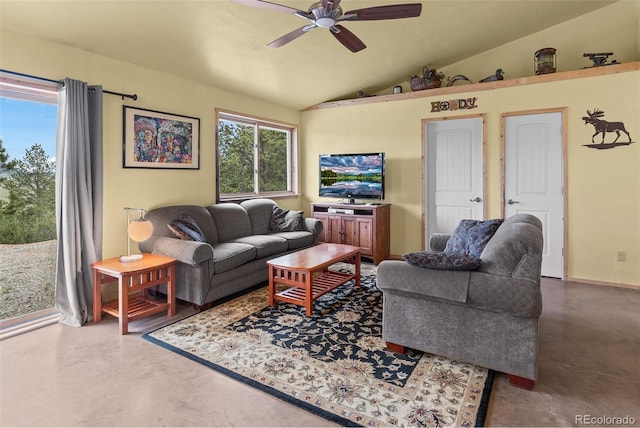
column 440, row 260
column 285, row 220
column 471, row 236
column 259, row 211
column 438, row 241
column 186, row 228
column 296, row 240
column 228, row 255
column 514, row 251
column 231, row 220
column 265, row 245
column 161, row 216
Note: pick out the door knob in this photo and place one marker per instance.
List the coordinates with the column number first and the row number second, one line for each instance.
column 477, row 199
column 511, row 202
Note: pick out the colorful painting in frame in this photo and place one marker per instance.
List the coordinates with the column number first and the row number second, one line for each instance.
column 153, row 139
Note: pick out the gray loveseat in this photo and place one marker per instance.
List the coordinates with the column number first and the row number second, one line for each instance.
column 487, row 317
column 234, row 256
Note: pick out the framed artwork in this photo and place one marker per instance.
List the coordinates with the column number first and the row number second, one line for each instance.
column 153, row 139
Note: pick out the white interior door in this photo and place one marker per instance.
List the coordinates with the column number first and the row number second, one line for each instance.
column 454, row 174
column 533, row 179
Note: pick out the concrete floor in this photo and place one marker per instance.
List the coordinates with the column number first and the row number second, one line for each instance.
column 589, row 364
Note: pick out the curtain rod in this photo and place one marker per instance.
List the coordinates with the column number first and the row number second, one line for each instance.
column 61, row 82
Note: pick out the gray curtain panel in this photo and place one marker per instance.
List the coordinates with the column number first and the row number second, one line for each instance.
column 78, row 199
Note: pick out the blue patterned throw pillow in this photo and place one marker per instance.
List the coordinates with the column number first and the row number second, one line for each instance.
column 440, row 260
column 471, row 236
column 186, row 228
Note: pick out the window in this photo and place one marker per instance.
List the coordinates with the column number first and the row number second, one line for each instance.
column 256, row 158
column 28, row 126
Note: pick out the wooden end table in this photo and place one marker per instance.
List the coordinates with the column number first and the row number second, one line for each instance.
column 308, row 274
column 152, row 269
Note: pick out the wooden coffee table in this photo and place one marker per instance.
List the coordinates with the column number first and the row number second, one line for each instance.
column 306, row 271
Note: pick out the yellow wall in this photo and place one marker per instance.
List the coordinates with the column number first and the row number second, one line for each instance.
column 603, row 185
column 144, row 188
column 614, row 28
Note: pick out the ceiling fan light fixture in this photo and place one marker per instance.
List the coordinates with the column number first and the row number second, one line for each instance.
column 325, row 22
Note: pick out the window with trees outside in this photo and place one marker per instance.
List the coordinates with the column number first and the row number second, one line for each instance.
column 28, row 246
column 256, row 157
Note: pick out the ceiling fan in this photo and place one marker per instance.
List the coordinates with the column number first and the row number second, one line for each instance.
column 328, row 14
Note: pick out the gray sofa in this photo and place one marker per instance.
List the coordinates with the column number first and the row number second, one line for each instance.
column 234, row 256
column 487, row 317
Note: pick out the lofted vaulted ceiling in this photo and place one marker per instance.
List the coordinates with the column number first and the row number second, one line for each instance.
column 224, row 44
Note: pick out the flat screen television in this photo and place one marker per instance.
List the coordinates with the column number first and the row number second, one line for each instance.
column 352, row 176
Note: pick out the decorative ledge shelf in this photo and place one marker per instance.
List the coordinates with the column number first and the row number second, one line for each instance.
column 474, row 87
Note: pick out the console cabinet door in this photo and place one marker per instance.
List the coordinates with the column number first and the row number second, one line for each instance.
column 336, row 230
column 324, row 219
column 364, row 233
column 350, row 228
column 332, row 228
column 358, row 231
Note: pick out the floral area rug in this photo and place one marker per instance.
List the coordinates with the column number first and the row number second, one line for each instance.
column 333, row 363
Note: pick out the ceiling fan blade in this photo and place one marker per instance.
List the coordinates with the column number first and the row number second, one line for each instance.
column 289, row 37
column 395, row 11
column 348, row 39
column 261, row 4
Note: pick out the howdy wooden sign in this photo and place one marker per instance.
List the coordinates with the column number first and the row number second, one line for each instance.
column 459, row 104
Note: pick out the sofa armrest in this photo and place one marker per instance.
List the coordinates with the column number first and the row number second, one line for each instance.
column 313, row 225
column 402, row 277
column 438, row 241
column 189, row 252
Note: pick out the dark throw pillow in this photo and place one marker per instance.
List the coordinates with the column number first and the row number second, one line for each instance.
column 440, row 260
column 285, row 221
column 186, row 228
column 471, row 236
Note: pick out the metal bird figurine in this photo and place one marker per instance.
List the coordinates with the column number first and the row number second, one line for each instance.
column 457, row 77
column 494, row 77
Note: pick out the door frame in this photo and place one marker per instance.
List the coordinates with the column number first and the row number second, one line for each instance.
column 485, row 208
column 565, row 189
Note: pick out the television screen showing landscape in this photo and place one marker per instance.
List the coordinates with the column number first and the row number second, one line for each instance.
column 352, row 176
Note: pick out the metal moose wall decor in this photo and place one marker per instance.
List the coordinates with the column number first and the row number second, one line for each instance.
column 602, row 127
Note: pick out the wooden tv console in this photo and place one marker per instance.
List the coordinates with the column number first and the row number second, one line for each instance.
column 362, row 225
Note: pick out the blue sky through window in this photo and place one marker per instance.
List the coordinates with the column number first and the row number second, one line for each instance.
column 25, row 123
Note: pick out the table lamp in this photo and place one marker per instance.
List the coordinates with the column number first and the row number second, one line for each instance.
column 139, row 230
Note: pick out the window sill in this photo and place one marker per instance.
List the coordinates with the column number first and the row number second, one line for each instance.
column 274, row 196
column 29, row 322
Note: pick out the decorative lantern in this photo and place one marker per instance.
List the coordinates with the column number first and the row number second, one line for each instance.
column 544, row 61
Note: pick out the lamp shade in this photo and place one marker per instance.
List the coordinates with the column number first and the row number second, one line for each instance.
column 140, row 230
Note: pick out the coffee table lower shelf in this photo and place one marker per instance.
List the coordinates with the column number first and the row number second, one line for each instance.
column 320, row 285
